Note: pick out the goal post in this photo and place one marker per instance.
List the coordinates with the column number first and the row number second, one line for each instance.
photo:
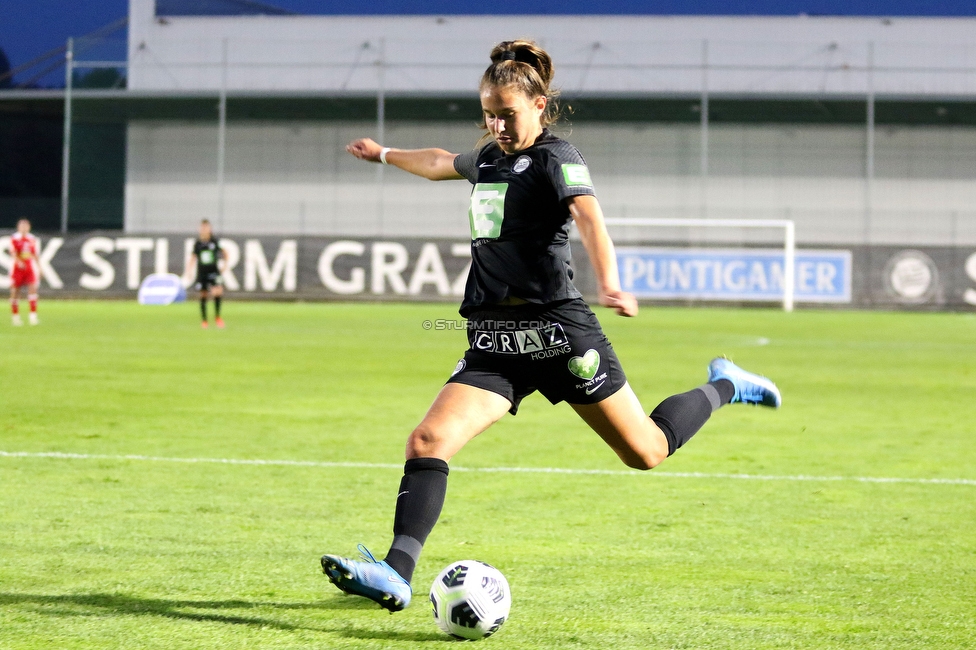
column 786, row 225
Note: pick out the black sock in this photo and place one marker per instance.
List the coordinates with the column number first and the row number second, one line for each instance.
column 217, row 305
column 203, row 308
column 419, row 502
column 681, row 416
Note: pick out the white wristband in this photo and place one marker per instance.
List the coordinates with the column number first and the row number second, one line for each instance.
column 383, row 152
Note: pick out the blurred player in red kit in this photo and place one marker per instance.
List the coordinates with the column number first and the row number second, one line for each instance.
column 23, row 272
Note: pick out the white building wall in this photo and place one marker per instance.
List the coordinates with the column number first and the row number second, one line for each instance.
column 297, row 178
column 593, row 54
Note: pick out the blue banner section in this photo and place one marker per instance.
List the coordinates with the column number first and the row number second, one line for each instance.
column 161, row 289
column 569, row 7
column 822, row 276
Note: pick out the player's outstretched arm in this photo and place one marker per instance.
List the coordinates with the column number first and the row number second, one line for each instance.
column 588, row 216
column 433, row 164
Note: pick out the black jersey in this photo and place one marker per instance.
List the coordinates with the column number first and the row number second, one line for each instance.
column 520, row 222
column 208, row 254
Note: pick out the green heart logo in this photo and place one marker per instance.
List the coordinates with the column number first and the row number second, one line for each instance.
column 586, row 366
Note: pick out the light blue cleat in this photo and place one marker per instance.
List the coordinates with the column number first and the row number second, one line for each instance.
column 369, row 578
column 749, row 388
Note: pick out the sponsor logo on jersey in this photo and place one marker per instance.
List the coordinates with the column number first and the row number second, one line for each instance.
column 575, row 175
column 487, row 210
column 593, row 385
column 590, row 391
column 521, row 164
column 459, row 367
column 537, row 343
column 586, row 366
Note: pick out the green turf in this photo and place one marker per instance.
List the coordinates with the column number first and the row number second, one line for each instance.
column 107, row 553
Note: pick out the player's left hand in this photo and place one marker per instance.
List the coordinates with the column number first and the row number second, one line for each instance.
column 625, row 304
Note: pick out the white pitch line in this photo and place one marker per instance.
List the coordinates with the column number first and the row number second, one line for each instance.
column 503, row 470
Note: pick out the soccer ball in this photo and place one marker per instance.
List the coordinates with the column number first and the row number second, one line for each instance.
column 471, row 599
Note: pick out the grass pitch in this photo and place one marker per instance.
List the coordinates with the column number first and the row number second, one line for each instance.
column 103, row 552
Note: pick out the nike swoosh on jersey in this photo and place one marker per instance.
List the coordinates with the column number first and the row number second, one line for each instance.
column 485, row 165
column 590, row 391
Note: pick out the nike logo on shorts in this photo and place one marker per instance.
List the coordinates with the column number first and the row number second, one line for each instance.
column 590, row 391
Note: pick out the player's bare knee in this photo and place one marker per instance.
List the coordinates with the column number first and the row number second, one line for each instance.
column 422, row 442
column 643, row 460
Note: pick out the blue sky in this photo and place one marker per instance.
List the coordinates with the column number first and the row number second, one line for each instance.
column 29, row 28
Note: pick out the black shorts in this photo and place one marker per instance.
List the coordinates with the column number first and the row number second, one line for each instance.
column 207, row 279
column 559, row 350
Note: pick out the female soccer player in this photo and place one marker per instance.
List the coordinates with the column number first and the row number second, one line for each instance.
column 206, row 258
column 529, row 328
column 23, row 250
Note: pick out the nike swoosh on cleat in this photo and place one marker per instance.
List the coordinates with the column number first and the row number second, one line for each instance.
column 590, row 391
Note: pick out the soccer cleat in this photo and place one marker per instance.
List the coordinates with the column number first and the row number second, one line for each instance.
column 204, row 324
column 750, row 388
column 369, row 578
column 17, row 321
column 32, row 319
column 220, row 323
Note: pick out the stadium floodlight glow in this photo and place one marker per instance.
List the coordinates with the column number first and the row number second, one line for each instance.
column 789, row 240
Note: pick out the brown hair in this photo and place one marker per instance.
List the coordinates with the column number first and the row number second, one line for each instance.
column 527, row 67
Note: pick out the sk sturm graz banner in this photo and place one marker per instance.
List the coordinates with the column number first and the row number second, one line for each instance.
column 112, row 264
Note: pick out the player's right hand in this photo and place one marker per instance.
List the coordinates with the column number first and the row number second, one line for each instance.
column 365, row 149
column 622, row 302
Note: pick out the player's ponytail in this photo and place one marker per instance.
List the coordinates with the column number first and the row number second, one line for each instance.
column 527, row 67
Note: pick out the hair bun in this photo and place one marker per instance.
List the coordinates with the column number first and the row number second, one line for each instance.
column 533, row 77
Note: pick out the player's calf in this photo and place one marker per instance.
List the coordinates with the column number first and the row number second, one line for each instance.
column 681, row 416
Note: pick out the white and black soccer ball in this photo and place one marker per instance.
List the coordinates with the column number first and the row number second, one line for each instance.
column 471, row 599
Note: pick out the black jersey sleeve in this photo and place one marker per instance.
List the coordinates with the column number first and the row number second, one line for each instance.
column 466, row 164
column 568, row 171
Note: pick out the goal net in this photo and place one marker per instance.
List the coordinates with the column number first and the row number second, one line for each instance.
column 707, row 259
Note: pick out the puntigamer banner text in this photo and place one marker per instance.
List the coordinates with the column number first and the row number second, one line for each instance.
column 114, row 264
column 739, row 275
